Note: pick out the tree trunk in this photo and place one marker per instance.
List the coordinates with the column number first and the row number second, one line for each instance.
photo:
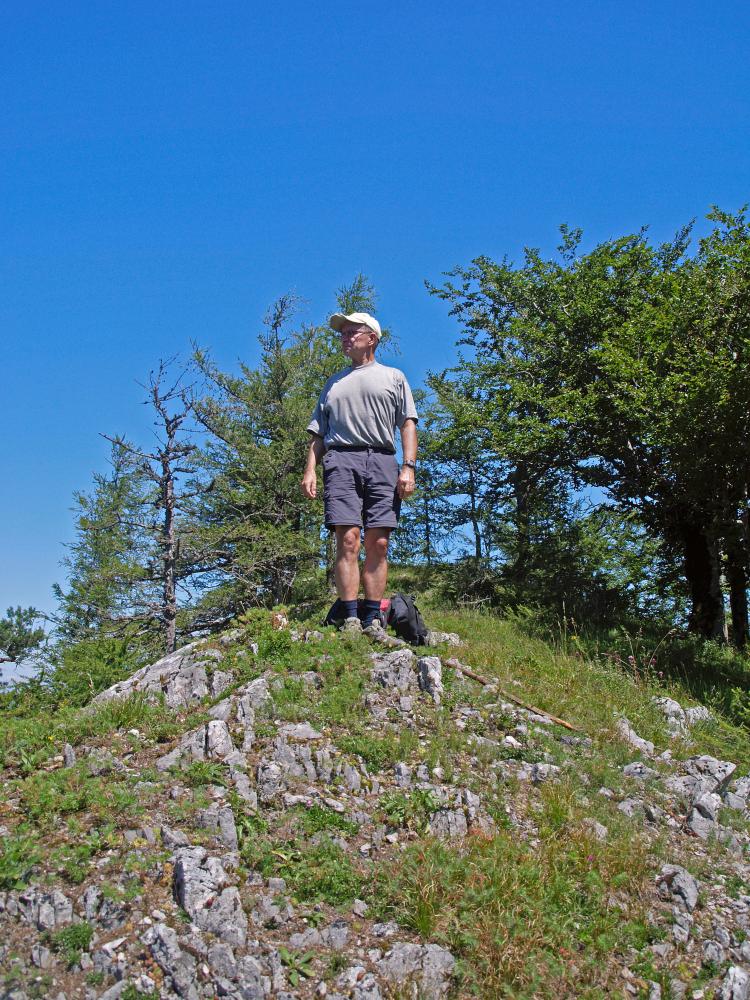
column 736, row 569
column 169, row 564
column 702, row 569
column 427, row 529
column 475, row 516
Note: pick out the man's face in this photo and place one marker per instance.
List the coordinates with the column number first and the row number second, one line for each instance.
column 356, row 338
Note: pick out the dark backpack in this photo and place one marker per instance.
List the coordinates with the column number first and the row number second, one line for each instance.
column 406, row 621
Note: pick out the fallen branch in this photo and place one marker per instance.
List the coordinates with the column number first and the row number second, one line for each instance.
column 457, row 665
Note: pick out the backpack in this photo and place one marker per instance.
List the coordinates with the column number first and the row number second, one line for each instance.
column 406, row 621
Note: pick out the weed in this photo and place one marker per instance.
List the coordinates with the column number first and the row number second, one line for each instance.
column 297, row 965
column 19, row 853
column 318, row 818
column 411, row 810
column 204, row 772
column 72, row 940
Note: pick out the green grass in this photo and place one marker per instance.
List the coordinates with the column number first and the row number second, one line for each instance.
column 19, row 852
column 46, row 797
column 72, row 940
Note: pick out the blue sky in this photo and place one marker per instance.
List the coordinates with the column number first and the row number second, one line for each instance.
column 168, row 169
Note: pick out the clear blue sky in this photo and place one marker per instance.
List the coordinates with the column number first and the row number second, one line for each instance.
column 168, row 169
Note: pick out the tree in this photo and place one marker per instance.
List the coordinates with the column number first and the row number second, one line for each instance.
column 625, row 369
column 19, row 635
column 164, row 468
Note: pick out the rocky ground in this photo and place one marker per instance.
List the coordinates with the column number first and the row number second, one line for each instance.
column 248, row 859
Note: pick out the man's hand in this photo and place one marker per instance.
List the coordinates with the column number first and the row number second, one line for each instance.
column 405, row 481
column 315, row 452
column 309, row 483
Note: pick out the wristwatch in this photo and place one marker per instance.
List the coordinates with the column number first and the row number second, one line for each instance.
column 409, row 465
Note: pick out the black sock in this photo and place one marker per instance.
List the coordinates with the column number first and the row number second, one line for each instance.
column 370, row 611
column 350, row 608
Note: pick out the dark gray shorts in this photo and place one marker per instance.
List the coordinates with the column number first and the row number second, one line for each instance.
column 359, row 487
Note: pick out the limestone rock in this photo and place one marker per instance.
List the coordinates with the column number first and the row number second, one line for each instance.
column 431, row 677
column 429, row 967
column 178, row 965
column 182, row 677
column 677, row 884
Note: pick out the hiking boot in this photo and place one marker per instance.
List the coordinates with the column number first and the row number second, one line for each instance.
column 352, row 625
column 375, row 629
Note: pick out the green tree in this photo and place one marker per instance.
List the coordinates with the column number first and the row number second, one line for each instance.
column 19, row 634
column 625, row 369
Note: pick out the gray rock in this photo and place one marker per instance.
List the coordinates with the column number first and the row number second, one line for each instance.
column 41, row 957
column 436, row 638
column 633, row 808
column 449, row 824
column 268, row 913
column 682, row 926
column 300, row 731
column 220, row 681
column 270, row 781
column 677, row 884
column 632, row 738
column 99, row 909
column 699, row 713
column 429, row 967
column 176, row 964
column 713, row 953
column 543, row 772
column 222, row 961
column 69, row 755
column 402, row 774
column 180, row 676
column 701, row 774
column 218, row 740
column 395, row 670
column 45, row 910
column 336, row 935
column 736, row 984
column 197, row 887
column 674, row 714
column 431, row 677
column 704, row 815
column 366, row 988
column 640, row 771
column 219, row 819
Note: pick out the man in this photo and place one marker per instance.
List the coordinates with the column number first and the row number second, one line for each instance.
column 353, row 430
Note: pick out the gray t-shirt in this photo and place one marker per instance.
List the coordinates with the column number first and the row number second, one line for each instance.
column 363, row 406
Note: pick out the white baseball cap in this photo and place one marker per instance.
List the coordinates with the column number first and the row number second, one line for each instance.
column 363, row 319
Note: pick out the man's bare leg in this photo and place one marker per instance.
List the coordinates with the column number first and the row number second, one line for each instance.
column 375, row 572
column 346, row 567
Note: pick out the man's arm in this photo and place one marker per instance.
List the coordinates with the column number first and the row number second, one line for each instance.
column 405, row 484
column 314, row 454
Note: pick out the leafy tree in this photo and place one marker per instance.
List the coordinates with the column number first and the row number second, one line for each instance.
column 624, row 369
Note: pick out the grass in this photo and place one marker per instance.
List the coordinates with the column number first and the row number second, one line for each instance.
column 19, row 852
column 46, row 797
column 71, row 941
column 525, row 921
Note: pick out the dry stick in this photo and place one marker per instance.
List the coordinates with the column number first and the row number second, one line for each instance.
column 453, row 662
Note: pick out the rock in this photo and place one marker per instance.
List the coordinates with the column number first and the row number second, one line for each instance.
column 268, row 913
column 632, row 738
column 633, row 808
column 598, row 829
column 69, row 755
column 704, row 815
column 220, row 819
column 713, row 953
column 107, row 913
column 677, row 884
column 429, row 967
column 176, row 964
column 449, row 824
column 395, row 670
column 41, row 957
column 543, row 772
column 699, row 713
column 674, row 714
column 431, row 677
column 197, row 887
column 366, row 988
column 181, row 677
column 639, row 771
column 336, row 935
column 437, row 638
column 300, row 731
column 44, row 910
column 736, row 984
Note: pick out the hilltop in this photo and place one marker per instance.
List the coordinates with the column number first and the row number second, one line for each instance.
column 287, row 811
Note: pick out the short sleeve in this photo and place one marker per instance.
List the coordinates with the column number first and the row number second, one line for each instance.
column 405, row 408
column 318, row 423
